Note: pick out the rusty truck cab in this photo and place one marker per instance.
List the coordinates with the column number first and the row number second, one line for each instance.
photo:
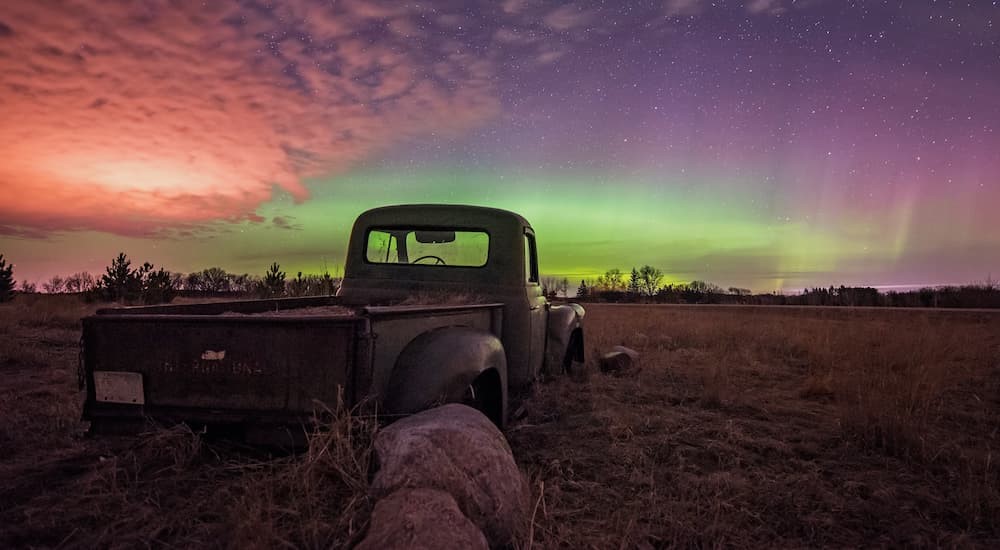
column 486, row 255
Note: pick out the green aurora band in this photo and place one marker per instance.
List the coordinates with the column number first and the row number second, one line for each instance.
column 691, row 228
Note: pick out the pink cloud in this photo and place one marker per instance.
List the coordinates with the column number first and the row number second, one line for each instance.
column 140, row 117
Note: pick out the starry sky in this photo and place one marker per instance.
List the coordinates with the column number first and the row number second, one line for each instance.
column 767, row 144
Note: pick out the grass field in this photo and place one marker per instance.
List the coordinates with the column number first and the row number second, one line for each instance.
column 742, row 427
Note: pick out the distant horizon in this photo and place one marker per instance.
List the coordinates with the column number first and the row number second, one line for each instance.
column 573, row 279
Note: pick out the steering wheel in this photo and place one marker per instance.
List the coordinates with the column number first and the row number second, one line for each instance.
column 437, row 259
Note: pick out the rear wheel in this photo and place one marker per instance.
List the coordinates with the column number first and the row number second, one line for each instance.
column 571, row 351
column 485, row 395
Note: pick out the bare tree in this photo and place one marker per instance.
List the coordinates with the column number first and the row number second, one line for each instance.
column 54, row 285
column 611, row 280
column 649, row 280
column 80, row 282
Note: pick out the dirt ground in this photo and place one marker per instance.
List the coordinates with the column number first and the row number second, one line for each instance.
column 747, row 427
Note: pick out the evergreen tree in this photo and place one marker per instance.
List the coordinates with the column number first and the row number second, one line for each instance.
column 581, row 291
column 274, row 281
column 6, row 280
column 120, row 283
column 155, row 286
column 633, row 282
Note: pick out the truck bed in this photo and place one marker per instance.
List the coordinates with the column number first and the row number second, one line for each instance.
column 253, row 361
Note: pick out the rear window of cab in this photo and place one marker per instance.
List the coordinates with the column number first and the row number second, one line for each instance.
column 427, row 247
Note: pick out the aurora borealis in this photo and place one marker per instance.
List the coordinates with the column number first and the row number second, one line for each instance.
column 768, row 144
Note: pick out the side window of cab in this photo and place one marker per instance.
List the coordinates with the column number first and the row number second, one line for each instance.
column 530, row 259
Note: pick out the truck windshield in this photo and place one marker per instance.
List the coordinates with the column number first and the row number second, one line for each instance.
column 410, row 245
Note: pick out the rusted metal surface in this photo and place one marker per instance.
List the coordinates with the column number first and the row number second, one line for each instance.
column 234, row 306
column 279, row 365
column 221, row 368
column 395, row 327
column 119, row 387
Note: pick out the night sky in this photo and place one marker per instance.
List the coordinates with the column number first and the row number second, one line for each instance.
column 770, row 144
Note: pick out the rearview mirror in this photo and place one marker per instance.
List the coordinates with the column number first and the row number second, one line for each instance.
column 426, row 237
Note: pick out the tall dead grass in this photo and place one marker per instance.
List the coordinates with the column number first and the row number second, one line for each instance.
column 173, row 487
column 38, row 310
column 889, row 376
column 316, row 500
column 752, row 425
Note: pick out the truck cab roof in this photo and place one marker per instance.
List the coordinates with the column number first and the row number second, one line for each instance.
column 457, row 215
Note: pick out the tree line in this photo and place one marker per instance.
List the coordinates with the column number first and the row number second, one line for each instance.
column 645, row 285
column 124, row 283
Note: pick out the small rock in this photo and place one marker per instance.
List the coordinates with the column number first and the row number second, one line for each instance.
column 619, row 360
column 420, row 519
column 456, row 449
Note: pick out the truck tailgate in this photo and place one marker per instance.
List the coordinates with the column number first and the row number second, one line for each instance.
column 233, row 368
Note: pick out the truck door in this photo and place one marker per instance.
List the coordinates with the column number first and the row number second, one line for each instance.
column 537, row 306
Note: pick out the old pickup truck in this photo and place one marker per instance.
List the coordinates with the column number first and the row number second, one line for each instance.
column 439, row 303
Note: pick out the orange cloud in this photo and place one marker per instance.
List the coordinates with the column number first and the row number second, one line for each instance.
column 136, row 117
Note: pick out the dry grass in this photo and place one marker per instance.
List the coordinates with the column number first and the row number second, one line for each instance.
column 744, row 427
column 172, row 488
column 764, row 427
column 430, row 298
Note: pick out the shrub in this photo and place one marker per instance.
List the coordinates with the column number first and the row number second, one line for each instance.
column 299, row 286
column 312, row 285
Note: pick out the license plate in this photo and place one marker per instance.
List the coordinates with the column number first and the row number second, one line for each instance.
column 118, row 387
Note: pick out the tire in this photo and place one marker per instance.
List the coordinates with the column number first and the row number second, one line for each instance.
column 485, row 395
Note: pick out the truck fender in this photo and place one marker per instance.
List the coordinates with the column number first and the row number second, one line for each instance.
column 564, row 343
column 449, row 365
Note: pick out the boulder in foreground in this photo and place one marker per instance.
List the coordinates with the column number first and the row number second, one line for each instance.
column 458, row 450
column 421, row 519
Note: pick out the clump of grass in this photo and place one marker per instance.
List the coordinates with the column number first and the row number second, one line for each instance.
column 175, row 487
column 316, row 500
column 891, row 388
column 716, row 384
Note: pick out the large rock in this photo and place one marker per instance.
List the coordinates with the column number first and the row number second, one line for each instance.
column 456, row 449
column 421, row 519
